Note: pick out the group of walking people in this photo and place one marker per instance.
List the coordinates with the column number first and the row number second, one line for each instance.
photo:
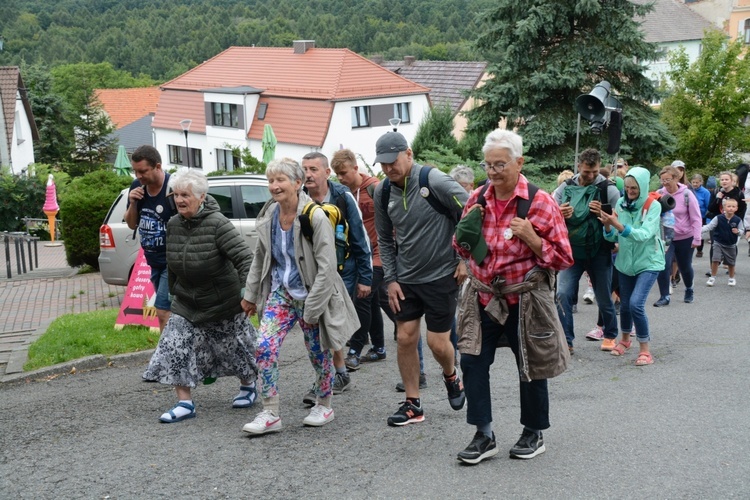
column 421, row 244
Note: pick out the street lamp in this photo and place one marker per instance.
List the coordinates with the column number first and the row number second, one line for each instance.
column 185, row 124
column 394, row 123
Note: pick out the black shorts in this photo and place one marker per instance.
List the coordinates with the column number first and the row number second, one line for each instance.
column 436, row 301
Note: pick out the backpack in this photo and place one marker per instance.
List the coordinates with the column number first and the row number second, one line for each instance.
column 336, row 214
column 424, row 184
column 522, row 206
column 584, row 229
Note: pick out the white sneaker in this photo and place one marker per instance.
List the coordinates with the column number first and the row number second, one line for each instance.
column 589, row 296
column 732, row 282
column 711, row 281
column 266, row 421
column 319, row 415
column 596, row 334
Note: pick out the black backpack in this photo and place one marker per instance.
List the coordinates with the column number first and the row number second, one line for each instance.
column 424, row 183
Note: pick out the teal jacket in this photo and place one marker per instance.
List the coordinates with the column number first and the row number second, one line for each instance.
column 641, row 246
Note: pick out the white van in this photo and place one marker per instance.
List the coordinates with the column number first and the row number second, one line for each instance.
column 240, row 198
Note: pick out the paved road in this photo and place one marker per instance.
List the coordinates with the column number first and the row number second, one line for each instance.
column 676, row 429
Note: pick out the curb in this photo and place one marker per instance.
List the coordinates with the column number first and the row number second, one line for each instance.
column 72, row 367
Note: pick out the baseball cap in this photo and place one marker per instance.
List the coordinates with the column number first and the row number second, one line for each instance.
column 389, row 146
column 679, row 164
column 469, row 235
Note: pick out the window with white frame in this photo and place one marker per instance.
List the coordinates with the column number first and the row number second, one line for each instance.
column 360, row 116
column 225, row 160
column 225, row 115
column 401, row 110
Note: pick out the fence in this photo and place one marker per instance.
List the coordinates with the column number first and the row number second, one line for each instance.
column 21, row 242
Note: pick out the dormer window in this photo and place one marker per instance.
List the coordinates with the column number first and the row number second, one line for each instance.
column 262, row 111
column 225, row 115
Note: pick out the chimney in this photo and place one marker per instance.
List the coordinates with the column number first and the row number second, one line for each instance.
column 302, row 46
column 377, row 59
column 409, row 60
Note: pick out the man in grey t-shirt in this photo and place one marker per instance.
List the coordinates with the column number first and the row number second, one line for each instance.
column 422, row 271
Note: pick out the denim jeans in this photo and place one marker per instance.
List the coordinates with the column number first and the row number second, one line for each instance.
column 682, row 251
column 599, row 268
column 634, row 291
column 476, row 373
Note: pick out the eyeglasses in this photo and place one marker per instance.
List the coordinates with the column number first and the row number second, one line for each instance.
column 495, row 167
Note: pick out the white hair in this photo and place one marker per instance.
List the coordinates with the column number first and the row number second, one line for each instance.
column 504, row 139
column 189, row 178
column 462, row 174
column 288, row 167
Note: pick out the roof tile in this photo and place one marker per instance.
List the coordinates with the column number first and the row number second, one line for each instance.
column 124, row 106
column 672, row 21
column 9, row 83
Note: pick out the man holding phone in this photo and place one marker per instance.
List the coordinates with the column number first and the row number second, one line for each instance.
column 581, row 199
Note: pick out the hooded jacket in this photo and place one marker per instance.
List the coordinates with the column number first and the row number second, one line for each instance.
column 687, row 214
column 641, row 248
column 208, row 261
column 327, row 304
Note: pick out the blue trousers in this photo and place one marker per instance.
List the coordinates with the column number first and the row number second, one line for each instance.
column 682, row 251
column 476, row 373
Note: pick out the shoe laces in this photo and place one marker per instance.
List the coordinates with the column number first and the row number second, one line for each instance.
column 318, row 411
column 264, row 416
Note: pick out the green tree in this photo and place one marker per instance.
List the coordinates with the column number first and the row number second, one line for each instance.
column 542, row 54
column 94, row 142
column 435, row 130
column 709, row 103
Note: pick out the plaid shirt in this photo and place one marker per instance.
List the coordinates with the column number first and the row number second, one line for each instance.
column 512, row 259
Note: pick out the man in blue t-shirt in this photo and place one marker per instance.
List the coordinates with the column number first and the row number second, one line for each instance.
column 149, row 210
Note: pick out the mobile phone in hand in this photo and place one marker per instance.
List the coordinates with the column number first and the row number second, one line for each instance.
column 607, row 208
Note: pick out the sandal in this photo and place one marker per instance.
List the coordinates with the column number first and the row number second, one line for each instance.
column 170, row 417
column 247, row 400
column 644, row 358
column 621, row 347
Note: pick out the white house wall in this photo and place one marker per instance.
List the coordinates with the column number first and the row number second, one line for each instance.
column 362, row 140
column 657, row 70
column 22, row 145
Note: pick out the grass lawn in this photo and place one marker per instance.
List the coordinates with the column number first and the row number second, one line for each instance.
column 74, row 336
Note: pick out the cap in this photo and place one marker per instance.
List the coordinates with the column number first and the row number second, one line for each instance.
column 469, row 235
column 679, row 164
column 389, row 146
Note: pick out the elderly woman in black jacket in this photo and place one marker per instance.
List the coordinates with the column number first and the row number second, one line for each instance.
column 208, row 335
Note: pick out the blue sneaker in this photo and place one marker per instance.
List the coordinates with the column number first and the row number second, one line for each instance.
column 689, row 295
column 662, row 302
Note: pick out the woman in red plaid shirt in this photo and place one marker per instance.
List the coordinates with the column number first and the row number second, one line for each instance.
column 514, row 247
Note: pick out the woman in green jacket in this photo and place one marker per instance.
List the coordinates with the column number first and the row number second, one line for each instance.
column 635, row 225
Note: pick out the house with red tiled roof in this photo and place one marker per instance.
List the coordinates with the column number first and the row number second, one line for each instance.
column 315, row 99
column 17, row 128
column 131, row 112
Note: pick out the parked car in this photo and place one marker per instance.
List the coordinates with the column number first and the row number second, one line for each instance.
column 240, row 198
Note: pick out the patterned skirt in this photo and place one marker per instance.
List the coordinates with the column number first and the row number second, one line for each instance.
column 189, row 353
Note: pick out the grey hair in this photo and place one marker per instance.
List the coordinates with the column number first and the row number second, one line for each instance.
column 504, row 139
column 188, row 178
column 462, row 173
column 288, row 167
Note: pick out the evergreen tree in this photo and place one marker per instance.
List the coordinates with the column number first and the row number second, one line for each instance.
column 709, row 104
column 542, row 54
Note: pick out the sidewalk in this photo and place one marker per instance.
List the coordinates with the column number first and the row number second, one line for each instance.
column 30, row 302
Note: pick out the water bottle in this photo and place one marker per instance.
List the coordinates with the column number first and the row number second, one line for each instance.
column 667, row 223
column 340, row 246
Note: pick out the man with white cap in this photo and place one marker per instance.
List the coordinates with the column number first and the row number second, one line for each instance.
column 415, row 217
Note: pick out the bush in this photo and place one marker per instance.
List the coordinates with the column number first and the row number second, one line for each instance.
column 20, row 196
column 82, row 210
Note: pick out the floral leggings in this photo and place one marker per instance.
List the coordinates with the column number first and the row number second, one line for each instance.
column 281, row 312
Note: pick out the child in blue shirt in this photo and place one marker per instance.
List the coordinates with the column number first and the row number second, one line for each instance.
column 726, row 228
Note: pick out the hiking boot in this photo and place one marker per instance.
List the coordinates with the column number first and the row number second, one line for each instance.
column 373, row 355
column 422, row 383
column 342, row 382
column 319, row 415
column 456, row 394
column 689, row 296
column 528, row 446
column 711, row 281
column 310, row 398
column 406, row 414
column 481, row 447
column 662, row 302
column 595, row 334
column 589, row 296
column 352, row 362
column 265, row 422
